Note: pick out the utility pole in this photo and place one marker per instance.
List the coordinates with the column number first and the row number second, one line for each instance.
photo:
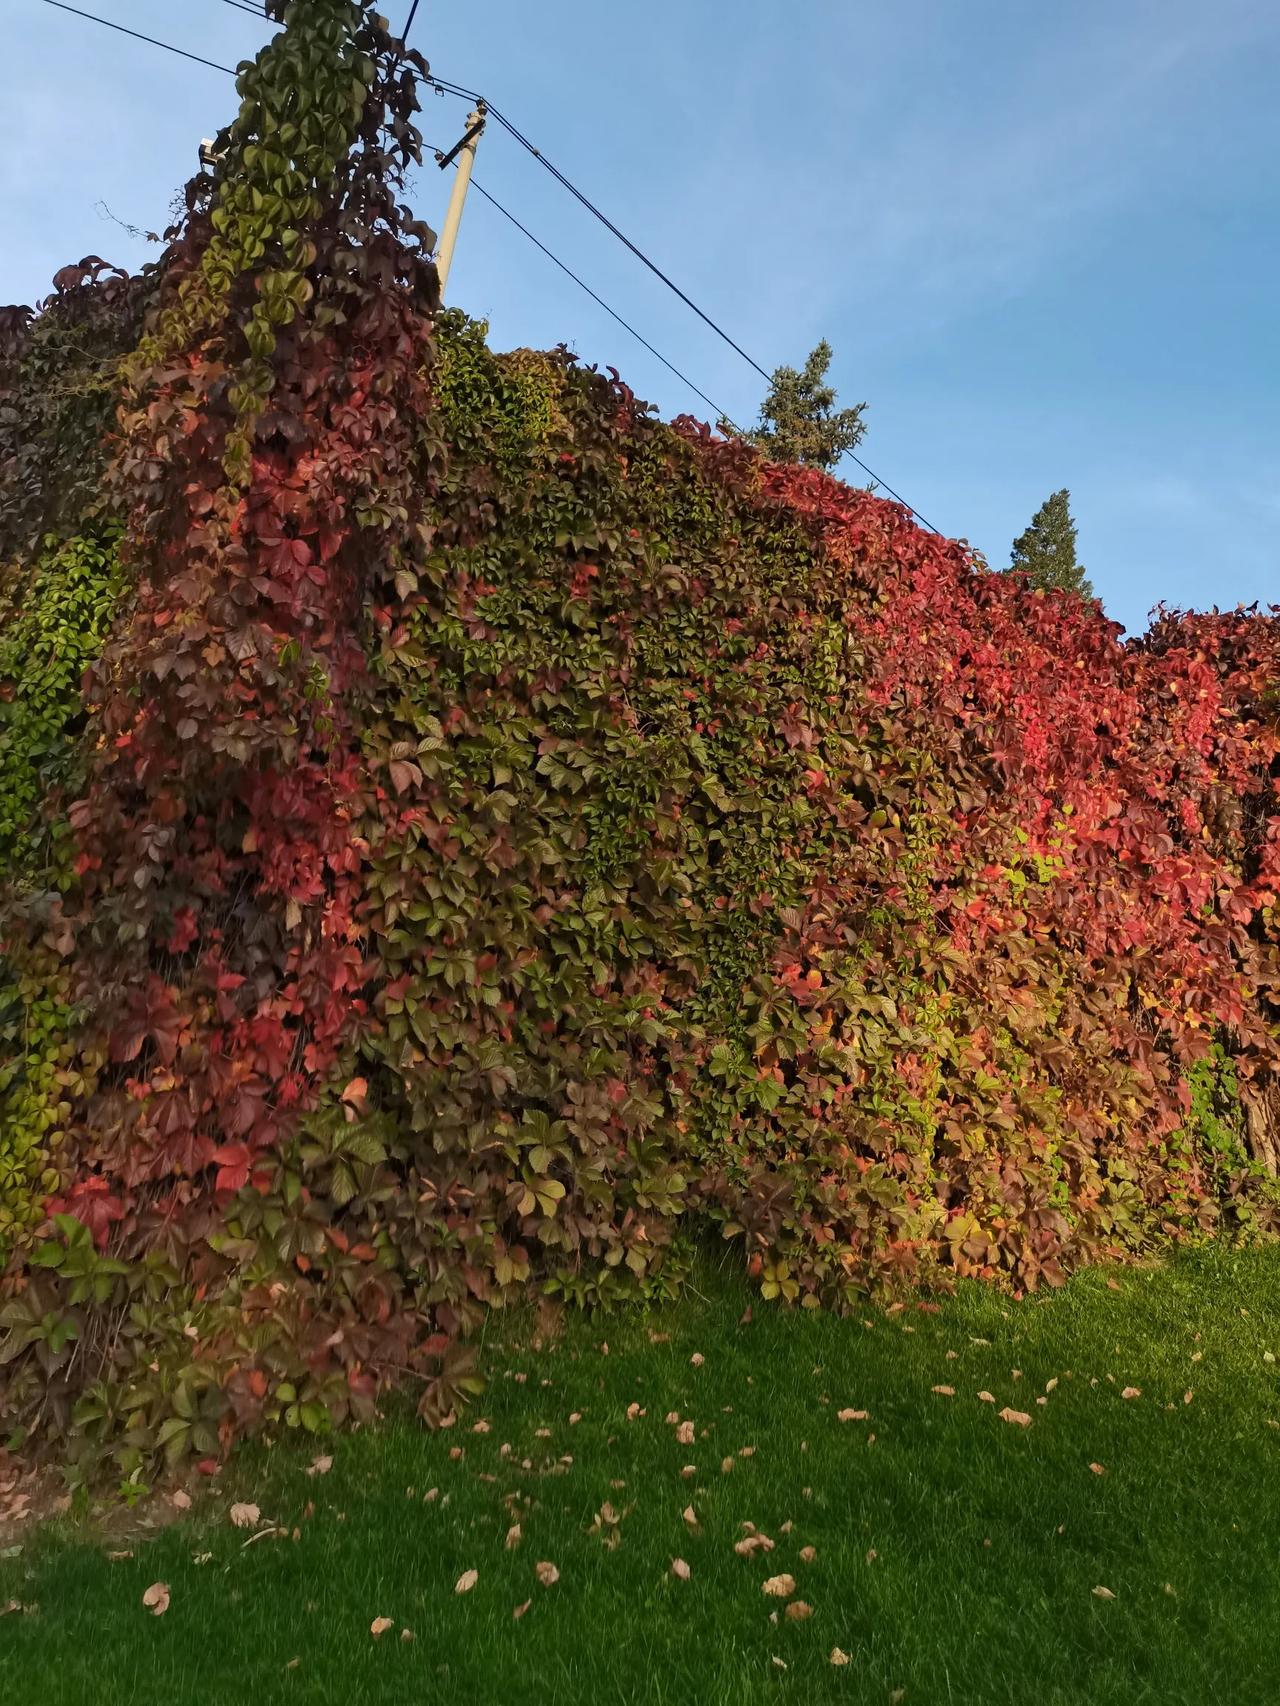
column 465, row 154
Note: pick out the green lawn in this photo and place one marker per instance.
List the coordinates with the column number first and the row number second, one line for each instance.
column 955, row 1556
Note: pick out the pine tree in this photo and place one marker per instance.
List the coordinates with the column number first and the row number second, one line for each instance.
column 1046, row 552
column 798, row 422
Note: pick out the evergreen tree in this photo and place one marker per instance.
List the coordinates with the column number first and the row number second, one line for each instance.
column 1047, row 550
column 798, row 421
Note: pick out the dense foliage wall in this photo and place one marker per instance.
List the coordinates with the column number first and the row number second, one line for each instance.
column 499, row 834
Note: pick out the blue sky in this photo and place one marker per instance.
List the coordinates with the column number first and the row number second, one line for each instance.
column 1043, row 241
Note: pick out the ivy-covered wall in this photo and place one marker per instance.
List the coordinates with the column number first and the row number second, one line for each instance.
column 501, row 836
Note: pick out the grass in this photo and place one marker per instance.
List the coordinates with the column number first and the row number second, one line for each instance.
column 955, row 1554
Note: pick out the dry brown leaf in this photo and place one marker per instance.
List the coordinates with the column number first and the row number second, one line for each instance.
column 244, row 1516
column 781, row 1663
column 690, row 1516
column 679, row 1569
column 406, row 1634
column 872, row 1555
column 119, row 1557
column 1113, row 1285
column 697, row 1359
column 480, row 1427
column 750, row 1450
column 672, row 1417
column 156, row 1598
column 838, row 1657
column 945, row 1391
column 513, row 1537
column 852, row 1415
column 689, row 1471
column 798, row 1610
column 466, row 1581
column 726, row 1464
column 1019, row 1417
column 779, row 1587
column 320, row 1466
column 546, row 1573
column 1187, row 1396
column 379, row 1626
column 987, row 1397
column 684, row 1433
column 574, row 1418
column 1050, row 1384
column 808, row 1554
column 180, row 1501
column 633, row 1410
column 1132, row 1392
column 1103, row 1593
column 1098, row 1468
column 520, row 1610
column 750, row 1544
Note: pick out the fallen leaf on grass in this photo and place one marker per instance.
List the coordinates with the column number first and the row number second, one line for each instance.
column 320, row 1466
column 680, row 1570
column 1098, row 1468
column 750, row 1544
column 872, row 1555
column 118, row 1557
column 987, row 1397
column 575, row 1418
column 379, row 1627
column 633, row 1411
column 1103, row 1593
column 1020, row 1417
column 690, row 1516
column 1132, row 1392
column 244, row 1516
column 156, row 1598
column 779, row 1587
column 1050, row 1384
column 726, row 1465
column 697, row 1359
column 480, row 1427
column 798, row 1610
column 513, row 1537
column 689, row 1471
column 852, row 1415
column 180, row 1501
column 684, row 1433
column 838, row 1657
column 945, row 1391
column 547, row 1574
column 781, row 1663
column 466, row 1581
column 406, row 1634
column 808, row 1554
column 520, row 1610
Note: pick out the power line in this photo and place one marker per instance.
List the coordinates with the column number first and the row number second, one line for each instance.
column 472, row 95
column 138, row 36
column 449, row 88
column 583, row 285
column 408, row 23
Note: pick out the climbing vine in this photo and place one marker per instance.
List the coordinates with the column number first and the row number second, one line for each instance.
column 513, row 832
